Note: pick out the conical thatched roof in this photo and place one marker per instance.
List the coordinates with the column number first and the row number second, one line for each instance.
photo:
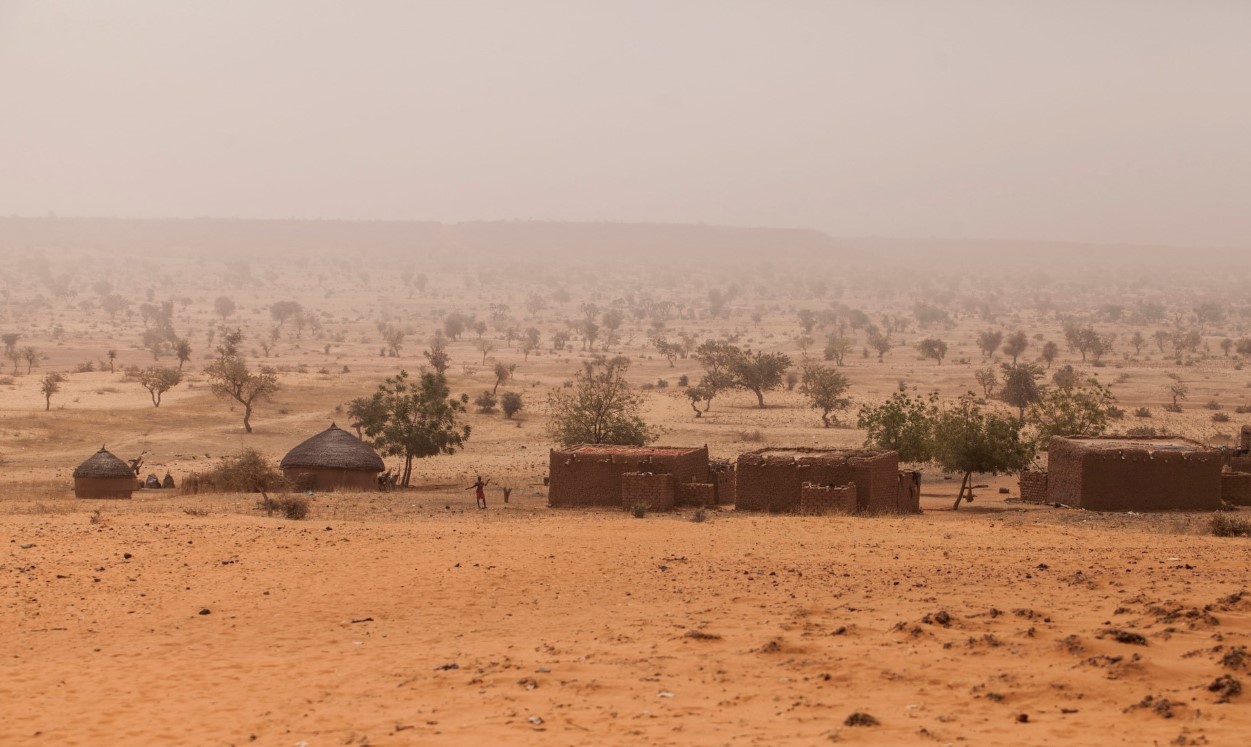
column 104, row 464
column 334, row 448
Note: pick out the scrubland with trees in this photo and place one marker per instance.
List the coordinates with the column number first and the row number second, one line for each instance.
column 452, row 359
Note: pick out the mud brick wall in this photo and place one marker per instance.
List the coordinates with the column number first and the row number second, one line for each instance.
column 909, row 492
column 1132, row 479
column 1239, row 463
column 1236, row 488
column 1034, row 486
column 581, row 479
column 697, row 494
column 818, row 500
column 772, row 482
column 653, row 489
column 1244, row 438
column 724, row 480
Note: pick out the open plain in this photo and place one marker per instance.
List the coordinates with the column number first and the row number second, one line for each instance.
column 410, row 617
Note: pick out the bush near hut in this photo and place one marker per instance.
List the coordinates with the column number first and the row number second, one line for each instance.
column 248, row 472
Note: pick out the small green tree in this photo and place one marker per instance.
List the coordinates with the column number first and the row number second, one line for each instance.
column 1065, row 378
column 825, row 389
column 903, row 424
column 414, row 419
column 932, row 347
column 600, row 408
column 362, row 410
column 971, row 439
column 1080, row 410
column 485, row 402
column 511, row 403
column 158, row 380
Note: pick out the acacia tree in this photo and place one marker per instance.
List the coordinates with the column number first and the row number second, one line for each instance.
column 758, row 372
column 230, row 378
column 284, row 310
column 600, row 408
column 715, row 356
column 503, row 372
column 824, row 388
column 414, row 419
column 989, row 342
column 158, row 380
column 1049, row 352
column 1016, row 344
column 1020, row 386
column 932, row 347
column 182, row 349
column 224, row 306
column 50, row 385
column 879, row 341
column 987, row 380
column 837, row 346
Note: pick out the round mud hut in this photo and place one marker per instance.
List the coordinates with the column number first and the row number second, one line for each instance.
column 333, row 460
column 104, row 476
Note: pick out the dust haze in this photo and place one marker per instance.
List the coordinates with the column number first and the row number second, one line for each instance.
column 940, row 237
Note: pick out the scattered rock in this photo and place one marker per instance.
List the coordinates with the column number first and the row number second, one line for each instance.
column 127, row 556
column 942, row 617
column 1225, row 686
column 446, row 667
column 1123, row 636
column 860, row 718
column 700, row 635
column 206, row 611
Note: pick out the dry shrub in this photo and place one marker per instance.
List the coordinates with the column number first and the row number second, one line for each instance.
column 294, row 507
column 1224, row 525
column 248, row 472
column 756, row 436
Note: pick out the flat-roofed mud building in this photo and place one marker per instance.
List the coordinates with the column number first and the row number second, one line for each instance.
column 1133, row 474
column 779, row 479
column 616, row 476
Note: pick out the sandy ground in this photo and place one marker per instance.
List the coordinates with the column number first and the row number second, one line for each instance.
column 994, row 625
column 423, row 621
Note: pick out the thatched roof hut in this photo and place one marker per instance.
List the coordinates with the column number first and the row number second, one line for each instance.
column 104, row 476
column 333, row 459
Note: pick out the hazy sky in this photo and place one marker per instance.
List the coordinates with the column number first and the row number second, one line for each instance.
column 1090, row 120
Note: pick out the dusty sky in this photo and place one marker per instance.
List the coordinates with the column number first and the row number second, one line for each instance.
column 1095, row 120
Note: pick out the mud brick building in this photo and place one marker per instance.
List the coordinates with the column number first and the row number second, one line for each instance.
column 1236, row 488
column 587, row 475
column 1133, row 474
column 773, row 479
column 1034, row 486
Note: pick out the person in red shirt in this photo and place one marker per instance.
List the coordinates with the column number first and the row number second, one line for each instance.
column 481, row 487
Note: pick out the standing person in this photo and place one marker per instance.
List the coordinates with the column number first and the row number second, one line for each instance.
column 481, row 487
